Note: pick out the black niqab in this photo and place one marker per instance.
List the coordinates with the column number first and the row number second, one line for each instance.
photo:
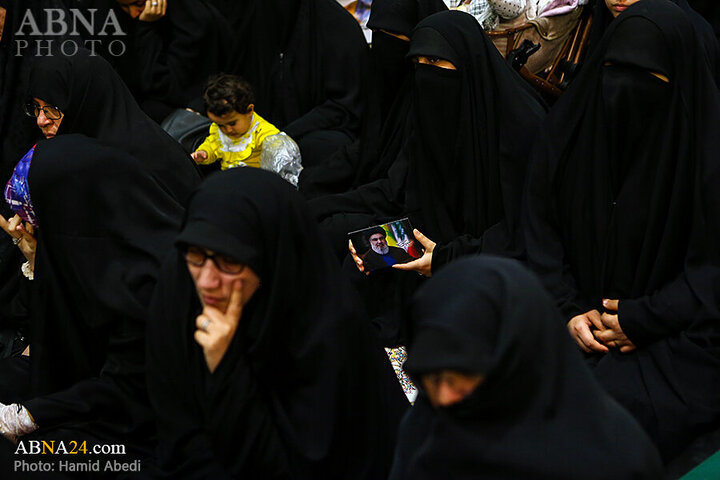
column 630, row 212
column 96, row 103
column 461, row 180
column 385, row 126
column 602, row 18
column 473, row 129
column 538, row 413
column 104, row 223
column 304, row 390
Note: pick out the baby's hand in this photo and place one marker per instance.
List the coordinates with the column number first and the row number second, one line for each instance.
column 199, row 156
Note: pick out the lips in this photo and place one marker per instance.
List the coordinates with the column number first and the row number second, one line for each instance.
column 212, row 301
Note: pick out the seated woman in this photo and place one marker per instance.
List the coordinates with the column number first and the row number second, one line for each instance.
column 307, row 60
column 83, row 94
column 260, row 363
column 623, row 217
column 504, row 393
column 386, row 122
column 103, row 225
column 172, row 46
column 461, row 175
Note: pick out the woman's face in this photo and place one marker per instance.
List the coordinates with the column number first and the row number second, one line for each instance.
column 448, row 387
column 616, row 7
column 213, row 283
column 48, row 117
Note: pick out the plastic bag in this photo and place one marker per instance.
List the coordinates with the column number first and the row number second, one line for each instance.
column 280, row 154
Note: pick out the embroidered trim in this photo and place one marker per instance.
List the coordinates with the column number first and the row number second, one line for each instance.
column 240, row 145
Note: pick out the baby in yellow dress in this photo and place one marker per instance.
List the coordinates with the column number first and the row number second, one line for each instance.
column 237, row 132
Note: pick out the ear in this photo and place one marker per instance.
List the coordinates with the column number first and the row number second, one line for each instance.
column 251, row 108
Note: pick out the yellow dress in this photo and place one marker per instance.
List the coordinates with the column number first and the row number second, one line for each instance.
column 237, row 152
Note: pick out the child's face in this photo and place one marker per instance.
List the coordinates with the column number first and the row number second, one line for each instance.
column 233, row 124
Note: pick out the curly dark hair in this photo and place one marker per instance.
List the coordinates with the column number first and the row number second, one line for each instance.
column 224, row 93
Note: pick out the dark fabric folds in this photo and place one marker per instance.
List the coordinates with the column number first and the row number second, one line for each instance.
column 705, row 32
column 461, row 178
column 96, row 103
column 305, row 390
column 167, row 61
column 622, row 204
column 104, row 225
column 386, row 121
column 539, row 413
column 306, row 60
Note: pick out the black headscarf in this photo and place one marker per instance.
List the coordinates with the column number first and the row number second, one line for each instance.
column 622, row 203
column 708, row 38
column 304, row 390
column 538, row 413
column 104, row 224
column 18, row 131
column 306, row 60
column 386, row 123
column 96, row 103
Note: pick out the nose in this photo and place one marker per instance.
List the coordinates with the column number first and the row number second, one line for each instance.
column 42, row 120
column 209, row 277
column 446, row 395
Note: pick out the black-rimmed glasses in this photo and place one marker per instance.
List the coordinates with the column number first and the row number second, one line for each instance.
column 33, row 110
column 197, row 257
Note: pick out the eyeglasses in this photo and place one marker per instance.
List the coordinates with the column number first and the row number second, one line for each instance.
column 197, row 256
column 33, row 110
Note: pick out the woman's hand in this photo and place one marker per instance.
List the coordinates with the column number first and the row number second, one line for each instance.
column 154, row 10
column 215, row 329
column 611, row 334
column 422, row 265
column 23, row 235
column 356, row 258
column 580, row 328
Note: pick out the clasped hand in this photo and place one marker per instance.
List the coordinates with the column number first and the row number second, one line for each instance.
column 596, row 332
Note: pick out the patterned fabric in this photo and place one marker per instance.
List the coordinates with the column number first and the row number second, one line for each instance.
column 397, row 358
column 17, row 191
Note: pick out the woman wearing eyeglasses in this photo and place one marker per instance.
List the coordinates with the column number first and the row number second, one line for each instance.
column 104, row 225
column 83, row 94
column 260, row 364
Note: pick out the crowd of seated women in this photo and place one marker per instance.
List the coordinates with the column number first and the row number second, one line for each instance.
column 561, row 321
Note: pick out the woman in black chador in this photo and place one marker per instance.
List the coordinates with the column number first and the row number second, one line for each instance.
column 260, row 363
column 387, row 119
column 94, row 101
column 623, row 220
column 504, row 394
column 460, row 178
column 103, row 224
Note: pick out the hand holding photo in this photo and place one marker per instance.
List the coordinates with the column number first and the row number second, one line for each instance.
column 383, row 246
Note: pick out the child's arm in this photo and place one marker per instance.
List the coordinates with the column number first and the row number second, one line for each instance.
column 207, row 152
